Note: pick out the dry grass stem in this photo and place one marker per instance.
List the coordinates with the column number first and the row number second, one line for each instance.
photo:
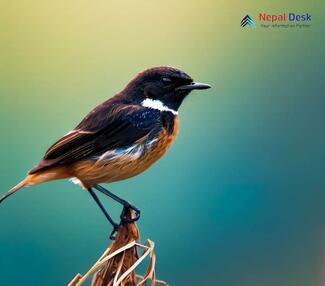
column 117, row 265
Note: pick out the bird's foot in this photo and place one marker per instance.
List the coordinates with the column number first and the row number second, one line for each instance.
column 125, row 219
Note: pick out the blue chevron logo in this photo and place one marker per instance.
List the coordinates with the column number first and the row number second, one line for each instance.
column 247, row 21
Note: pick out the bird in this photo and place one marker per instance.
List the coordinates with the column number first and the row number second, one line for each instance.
column 118, row 139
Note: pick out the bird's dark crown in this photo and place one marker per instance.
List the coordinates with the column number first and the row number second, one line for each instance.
column 168, row 85
column 158, row 73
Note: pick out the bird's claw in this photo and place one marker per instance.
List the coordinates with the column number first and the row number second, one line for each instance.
column 125, row 219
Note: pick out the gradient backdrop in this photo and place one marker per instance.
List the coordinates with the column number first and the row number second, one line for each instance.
column 238, row 200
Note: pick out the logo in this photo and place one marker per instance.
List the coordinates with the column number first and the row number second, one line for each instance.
column 278, row 21
column 247, row 20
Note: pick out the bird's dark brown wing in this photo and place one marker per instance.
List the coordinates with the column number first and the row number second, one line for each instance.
column 105, row 128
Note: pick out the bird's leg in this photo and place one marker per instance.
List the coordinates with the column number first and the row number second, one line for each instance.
column 109, row 218
column 125, row 204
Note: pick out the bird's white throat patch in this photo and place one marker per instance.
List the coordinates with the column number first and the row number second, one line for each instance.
column 157, row 104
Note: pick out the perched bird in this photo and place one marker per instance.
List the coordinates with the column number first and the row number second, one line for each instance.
column 120, row 138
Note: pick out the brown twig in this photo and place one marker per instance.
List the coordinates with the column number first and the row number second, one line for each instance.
column 122, row 261
column 116, row 267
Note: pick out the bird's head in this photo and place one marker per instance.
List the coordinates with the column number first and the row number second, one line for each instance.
column 164, row 87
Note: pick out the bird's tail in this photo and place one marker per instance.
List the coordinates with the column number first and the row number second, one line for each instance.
column 38, row 178
column 16, row 188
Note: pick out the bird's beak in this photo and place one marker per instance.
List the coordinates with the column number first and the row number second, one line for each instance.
column 194, row 85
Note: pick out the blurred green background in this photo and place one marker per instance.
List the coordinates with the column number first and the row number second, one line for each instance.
column 238, row 200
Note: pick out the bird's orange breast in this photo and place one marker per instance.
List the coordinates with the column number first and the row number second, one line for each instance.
column 124, row 165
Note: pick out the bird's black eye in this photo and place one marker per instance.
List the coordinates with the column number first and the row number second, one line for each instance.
column 166, row 80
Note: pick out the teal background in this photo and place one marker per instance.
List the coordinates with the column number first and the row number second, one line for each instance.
column 239, row 198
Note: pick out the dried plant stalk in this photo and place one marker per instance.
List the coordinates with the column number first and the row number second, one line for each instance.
column 116, row 267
